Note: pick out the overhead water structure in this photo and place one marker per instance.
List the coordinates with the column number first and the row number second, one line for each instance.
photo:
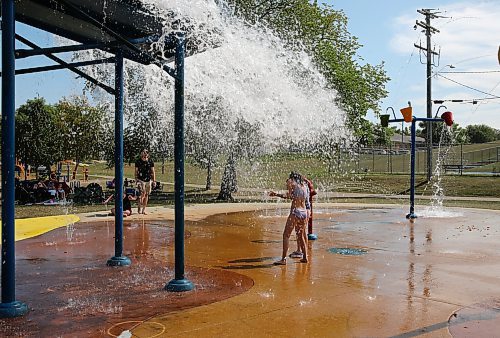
column 106, row 24
column 407, row 112
column 126, row 28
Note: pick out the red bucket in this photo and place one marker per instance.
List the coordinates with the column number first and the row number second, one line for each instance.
column 447, row 116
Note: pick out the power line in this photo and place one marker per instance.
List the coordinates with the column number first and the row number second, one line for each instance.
column 470, row 72
column 466, row 86
column 473, row 101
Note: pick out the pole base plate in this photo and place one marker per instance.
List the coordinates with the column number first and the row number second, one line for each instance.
column 179, row 285
column 13, row 309
column 118, row 261
column 312, row 237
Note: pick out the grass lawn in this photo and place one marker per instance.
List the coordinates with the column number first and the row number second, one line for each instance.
column 270, row 173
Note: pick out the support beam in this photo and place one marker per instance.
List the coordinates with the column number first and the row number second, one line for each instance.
column 24, row 53
column 62, row 62
column 118, row 259
column 59, row 67
column 179, row 283
column 9, row 307
column 118, row 37
column 108, row 47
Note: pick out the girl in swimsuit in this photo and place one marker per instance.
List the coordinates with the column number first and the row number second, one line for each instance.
column 298, row 215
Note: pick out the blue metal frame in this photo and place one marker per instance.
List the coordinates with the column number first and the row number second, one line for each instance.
column 58, row 67
column 179, row 283
column 414, row 121
column 140, row 53
column 64, row 63
column 24, row 53
column 118, row 259
column 9, row 307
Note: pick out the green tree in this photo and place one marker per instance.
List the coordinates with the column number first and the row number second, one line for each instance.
column 205, row 135
column 441, row 132
column 382, row 136
column 79, row 129
column 365, row 133
column 322, row 31
column 36, row 133
column 481, row 133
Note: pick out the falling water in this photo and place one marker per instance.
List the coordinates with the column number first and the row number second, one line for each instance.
column 436, row 208
column 245, row 68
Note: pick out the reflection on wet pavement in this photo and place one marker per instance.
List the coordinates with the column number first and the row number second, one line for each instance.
column 411, row 277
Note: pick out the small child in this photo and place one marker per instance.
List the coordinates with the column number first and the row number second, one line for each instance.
column 61, row 194
column 127, row 206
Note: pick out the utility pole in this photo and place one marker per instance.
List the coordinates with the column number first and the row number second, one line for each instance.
column 429, row 30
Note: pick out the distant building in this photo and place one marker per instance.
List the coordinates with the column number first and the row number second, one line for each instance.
column 404, row 142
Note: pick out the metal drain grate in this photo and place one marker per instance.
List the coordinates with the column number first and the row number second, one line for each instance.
column 348, row 251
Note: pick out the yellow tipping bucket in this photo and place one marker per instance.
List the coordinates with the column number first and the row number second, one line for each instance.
column 407, row 114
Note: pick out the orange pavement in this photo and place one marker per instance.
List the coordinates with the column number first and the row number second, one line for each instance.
column 434, row 277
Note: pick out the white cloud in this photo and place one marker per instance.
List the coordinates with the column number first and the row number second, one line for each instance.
column 468, row 39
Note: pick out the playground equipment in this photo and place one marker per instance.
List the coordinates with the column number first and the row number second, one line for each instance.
column 90, row 194
column 127, row 29
column 407, row 112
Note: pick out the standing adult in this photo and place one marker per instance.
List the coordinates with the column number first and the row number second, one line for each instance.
column 145, row 177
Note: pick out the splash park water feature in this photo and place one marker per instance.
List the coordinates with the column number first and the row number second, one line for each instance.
column 407, row 112
column 245, row 70
column 248, row 75
column 434, row 277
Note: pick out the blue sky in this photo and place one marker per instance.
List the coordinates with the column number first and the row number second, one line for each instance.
column 51, row 85
column 468, row 40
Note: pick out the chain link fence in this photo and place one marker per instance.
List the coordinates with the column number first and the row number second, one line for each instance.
column 459, row 159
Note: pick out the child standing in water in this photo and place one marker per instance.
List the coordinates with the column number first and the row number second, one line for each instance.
column 297, row 218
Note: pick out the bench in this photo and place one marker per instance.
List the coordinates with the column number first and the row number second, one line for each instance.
column 453, row 167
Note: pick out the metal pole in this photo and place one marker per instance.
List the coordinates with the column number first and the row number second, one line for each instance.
column 402, row 132
column 461, row 158
column 359, row 157
column 412, row 215
column 9, row 307
column 373, row 160
column 179, row 283
column 389, row 158
column 118, row 259
column 417, row 160
column 429, row 96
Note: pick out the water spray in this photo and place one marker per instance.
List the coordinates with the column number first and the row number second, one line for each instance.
column 407, row 112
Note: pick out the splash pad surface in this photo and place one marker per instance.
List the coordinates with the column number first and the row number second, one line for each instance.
column 412, row 279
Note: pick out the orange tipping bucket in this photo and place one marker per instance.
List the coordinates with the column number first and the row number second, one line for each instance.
column 407, row 114
column 447, row 116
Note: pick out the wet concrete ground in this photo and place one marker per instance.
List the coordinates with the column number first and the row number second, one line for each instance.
column 435, row 277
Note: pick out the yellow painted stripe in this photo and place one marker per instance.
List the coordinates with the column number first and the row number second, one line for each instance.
column 32, row 227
